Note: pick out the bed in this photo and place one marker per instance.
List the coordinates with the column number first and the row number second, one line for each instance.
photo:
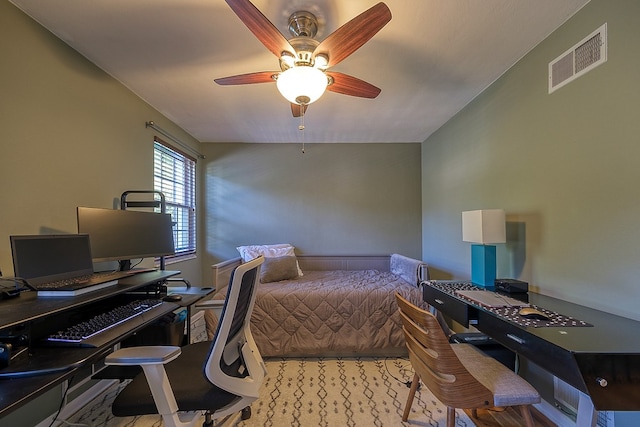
column 338, row 306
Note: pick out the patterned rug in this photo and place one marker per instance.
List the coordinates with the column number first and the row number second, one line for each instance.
column 317, row 392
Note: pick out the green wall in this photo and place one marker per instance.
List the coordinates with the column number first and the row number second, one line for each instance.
column 564, row 166
column 70, row 135
column 335, row 199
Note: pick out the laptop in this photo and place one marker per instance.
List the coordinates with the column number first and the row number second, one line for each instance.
column 58, row 264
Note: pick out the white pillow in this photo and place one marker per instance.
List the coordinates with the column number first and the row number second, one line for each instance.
column 249, row 252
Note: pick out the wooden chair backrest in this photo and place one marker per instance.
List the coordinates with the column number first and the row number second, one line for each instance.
column 436, row 363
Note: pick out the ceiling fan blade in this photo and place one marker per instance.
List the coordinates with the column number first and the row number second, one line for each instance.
column 298, row 110
column 245, row 79
column 349, row 85
column 261, row 27
column 352, row 35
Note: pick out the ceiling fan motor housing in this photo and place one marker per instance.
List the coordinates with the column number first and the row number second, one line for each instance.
column 304, row 47
column 303, row 23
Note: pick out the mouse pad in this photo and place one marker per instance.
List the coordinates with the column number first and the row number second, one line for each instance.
column 555, row 319
column 511, row 313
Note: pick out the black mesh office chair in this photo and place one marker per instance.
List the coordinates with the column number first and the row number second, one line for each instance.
column 216, row 378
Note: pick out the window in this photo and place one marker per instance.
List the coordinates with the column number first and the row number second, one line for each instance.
column 174, row 176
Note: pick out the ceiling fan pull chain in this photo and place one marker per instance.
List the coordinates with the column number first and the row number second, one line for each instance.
column 301, row 126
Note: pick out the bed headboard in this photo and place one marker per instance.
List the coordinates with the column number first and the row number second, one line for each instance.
column 344, row 262
column 222, row 270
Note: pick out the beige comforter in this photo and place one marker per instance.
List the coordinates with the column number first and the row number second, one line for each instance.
column 330, row 312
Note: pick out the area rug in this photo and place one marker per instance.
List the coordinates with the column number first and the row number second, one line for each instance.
column 361, row 392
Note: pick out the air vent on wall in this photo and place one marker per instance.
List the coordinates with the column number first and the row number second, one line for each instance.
column 581, row 58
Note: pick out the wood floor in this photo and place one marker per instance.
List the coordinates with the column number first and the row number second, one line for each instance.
column 508, row 417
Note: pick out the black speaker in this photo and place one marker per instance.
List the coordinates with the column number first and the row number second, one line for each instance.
column 511, row 286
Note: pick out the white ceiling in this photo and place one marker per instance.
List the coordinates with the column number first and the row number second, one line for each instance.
column 430, row 61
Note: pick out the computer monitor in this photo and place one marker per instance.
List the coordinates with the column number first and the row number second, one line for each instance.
column 122, row 235
column 47, row 258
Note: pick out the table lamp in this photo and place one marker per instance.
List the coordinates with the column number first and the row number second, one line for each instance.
column 483, row 227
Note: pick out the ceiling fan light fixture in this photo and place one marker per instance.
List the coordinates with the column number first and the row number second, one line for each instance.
column 302, row 85
column 287, row 61
column 321, row 61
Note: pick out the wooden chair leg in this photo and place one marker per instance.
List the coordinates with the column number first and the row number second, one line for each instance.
column 412, row 393
column 451, row 416
column 526, row 415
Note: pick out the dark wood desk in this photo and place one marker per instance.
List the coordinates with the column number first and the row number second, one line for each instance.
column 29, row 314
column 602, row 360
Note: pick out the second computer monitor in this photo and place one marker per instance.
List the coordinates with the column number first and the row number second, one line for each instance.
column 119, row 235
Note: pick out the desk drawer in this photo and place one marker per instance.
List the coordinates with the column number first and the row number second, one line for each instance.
column 556, row 360
column 447, row 305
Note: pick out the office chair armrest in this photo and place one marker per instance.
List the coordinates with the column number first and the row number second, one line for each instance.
column 152, row 360
column 144, row 355
column 210, row 304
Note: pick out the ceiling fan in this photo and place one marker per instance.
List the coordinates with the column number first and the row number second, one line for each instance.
column 304, row 62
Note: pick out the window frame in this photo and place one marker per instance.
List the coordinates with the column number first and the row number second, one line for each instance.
column 174, row 175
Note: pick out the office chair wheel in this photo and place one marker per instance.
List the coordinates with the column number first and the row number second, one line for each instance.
column 246, row 413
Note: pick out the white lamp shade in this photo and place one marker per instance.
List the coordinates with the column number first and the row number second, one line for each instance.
column 302, row 84
column 484, row 226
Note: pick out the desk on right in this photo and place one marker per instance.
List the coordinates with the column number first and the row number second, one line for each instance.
column 598, row 355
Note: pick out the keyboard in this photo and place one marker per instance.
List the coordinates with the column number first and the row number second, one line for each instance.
column 81, row 282
column 108, row 326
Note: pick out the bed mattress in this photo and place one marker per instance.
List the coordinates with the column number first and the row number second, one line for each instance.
column 331, row 312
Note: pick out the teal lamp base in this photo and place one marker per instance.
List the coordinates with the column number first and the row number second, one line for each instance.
column 483, row 265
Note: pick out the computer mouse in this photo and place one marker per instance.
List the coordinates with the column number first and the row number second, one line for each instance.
column 172, row 298
column 532, row 313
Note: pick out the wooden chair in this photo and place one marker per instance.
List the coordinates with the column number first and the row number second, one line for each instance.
column 218, row 379
column 458, row 375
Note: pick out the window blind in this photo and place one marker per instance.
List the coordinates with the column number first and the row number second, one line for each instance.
column 174, row 175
